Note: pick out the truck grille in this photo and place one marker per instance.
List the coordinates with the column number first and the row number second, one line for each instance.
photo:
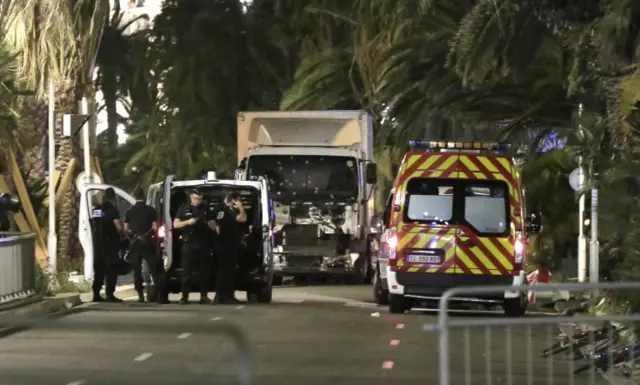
column 300, row 235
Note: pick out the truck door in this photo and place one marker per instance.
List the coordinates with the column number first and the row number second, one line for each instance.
column 168, row 222
column 89, row 192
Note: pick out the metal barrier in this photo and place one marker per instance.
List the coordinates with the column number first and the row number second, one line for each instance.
column 576, row 350
column 17, row 266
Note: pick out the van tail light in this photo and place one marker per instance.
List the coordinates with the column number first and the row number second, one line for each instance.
column 519, row 247
column 162, row 232
column 392, row 244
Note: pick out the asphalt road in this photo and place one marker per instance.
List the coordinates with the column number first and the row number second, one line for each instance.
column 309, row 335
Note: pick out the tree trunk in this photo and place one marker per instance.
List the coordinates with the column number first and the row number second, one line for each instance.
column 34, row 113
column 110, row 94
column 66, row 150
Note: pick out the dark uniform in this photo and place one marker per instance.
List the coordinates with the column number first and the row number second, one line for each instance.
column 195, row 252
column 5, row 207
column 227, row 252
column 140, row 219
column 107, row 246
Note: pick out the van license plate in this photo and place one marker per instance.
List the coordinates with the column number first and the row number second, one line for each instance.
column 421, row 258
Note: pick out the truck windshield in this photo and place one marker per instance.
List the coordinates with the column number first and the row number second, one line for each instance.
column 307, row 176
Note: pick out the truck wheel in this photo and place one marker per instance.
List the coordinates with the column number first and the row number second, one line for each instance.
column 262, row 295
column 398, row 304
column 380, row 294
column 360, row 272
column 151, row 293
column 515, row 307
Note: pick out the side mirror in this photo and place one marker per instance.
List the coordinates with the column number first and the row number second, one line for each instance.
column 265, row 229
column 375, row 226
column 533, row 223
column 371, row 173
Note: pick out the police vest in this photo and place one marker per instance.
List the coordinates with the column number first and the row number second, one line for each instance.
column 102, row 227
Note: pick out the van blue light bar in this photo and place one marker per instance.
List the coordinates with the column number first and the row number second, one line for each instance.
column 426, row 145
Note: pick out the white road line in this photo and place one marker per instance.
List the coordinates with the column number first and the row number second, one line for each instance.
column 400, row 326
column 142, row 357
column 388, row 365
column 240, row 307
column 184, row 336
column 394, row 342
column 216, row 318
column 79, row 382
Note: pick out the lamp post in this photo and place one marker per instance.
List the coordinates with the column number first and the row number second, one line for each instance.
column 52, row 238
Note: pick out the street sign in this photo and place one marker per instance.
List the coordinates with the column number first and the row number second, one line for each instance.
column 574, row 179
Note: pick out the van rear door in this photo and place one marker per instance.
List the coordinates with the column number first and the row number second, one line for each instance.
column 426, row 234
column 85, row 234
column 168, row 223
column 485, row 240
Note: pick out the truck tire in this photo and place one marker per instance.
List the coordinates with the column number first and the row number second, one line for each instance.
column 380, row 294
column 398, row 304
column 151, row 293
column 360, row 271
column 515, row 307
column 261, row 295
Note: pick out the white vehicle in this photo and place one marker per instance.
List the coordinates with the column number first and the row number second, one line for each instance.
column 321, row 172
column 256, row 263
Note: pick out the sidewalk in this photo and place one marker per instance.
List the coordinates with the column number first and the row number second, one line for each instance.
column 37, row 306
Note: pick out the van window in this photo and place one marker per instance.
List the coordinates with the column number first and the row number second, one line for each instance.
column 429, row 200
column 485, row 206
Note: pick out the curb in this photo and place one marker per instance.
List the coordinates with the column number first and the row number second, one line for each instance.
column 128, row 289
column 46, row 307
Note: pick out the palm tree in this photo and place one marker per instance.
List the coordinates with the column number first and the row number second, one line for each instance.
column 11, row 137
column 114, row 65
column 57, row 40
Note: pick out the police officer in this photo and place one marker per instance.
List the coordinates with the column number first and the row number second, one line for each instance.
column 107, row 229
column 141, row 224
column 5, row 207
column 195, row 253
column 228, row 220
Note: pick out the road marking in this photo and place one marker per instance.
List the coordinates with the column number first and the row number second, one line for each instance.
column 184, row 336
column 387, row 365
column 240, row 307
column 394, row 342
column 400, row 326
column 216, row 318
column 79, row 382
column 142, row 357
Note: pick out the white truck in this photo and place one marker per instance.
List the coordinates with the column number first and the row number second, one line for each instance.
column 321, row 173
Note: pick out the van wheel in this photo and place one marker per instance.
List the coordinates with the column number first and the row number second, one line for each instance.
column 515, row 307
column 398, row 304
column 262, row 295
column 151, row 293
column 380, row 294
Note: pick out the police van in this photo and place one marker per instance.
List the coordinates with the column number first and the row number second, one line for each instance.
column 456, row 217
column 255, row 275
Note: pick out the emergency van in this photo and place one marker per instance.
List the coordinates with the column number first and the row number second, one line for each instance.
column 456, row 218
column 256, row 265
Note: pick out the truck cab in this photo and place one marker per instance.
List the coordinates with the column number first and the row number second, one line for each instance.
column 320, row 169
column 255, row 274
